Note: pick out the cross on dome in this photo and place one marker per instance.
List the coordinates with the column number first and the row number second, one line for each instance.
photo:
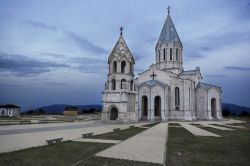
column 168, row 9
column 121, row 29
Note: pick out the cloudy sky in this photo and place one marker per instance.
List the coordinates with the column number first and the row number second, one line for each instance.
column 55, row 51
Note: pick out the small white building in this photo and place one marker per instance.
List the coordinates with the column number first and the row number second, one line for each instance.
column 9, row 110
column 164, row 91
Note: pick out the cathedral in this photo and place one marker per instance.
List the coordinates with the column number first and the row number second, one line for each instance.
column 165, row 91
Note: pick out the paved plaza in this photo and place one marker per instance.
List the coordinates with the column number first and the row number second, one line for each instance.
column 148, row 146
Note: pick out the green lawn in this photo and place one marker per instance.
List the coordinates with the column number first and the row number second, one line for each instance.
column 233, row 148
column 120, row 135
column 61, row 154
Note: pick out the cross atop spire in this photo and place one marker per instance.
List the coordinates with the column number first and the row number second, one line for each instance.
column 121, row 29
column 168, row 9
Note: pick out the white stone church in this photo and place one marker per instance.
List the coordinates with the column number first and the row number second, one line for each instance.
column 165, row 91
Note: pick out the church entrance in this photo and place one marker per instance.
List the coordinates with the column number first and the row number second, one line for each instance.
column 144, row 107
column 113, row 114
column 213, row 107
column 157, row 106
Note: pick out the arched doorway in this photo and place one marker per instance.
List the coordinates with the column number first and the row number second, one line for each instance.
column 113, row 114
column 213, row 107
column 157, row 104
column 144, row 107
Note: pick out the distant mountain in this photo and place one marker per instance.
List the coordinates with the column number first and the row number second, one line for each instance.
column 58, row 108
column 233, row 108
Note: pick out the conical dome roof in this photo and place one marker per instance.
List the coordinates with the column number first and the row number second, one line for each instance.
column 169, row 33
column 121, row 49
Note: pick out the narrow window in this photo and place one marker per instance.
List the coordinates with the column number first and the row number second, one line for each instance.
column 131, row 68
column 114, row 67
column 170, row 53
column 131, row 85
column 123, row 84
column 177, row 98
column 164, row 54
column 113, row 84
column 177, row 55
column 123, row 66
column 159, row 56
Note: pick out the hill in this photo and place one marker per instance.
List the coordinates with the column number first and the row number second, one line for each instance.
column 58, row 108
column 233, row 108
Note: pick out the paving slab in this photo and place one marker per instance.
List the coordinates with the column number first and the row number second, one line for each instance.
column 197, row 131
column 147, row 146
column 216, row 127
column 233, row 126
column 25, row 136
column 98, row 140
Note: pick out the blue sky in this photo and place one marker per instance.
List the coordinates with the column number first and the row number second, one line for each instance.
column 55, row 51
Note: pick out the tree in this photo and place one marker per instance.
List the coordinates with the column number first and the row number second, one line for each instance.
column 226, row 112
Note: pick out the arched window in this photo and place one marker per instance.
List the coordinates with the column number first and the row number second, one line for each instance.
column 213, row 107
column 170, row 53
column 131, row 85
column 123, row 66
column 164, row 54
column 113, row 84
column 123, row 84
column 177, row 55
column 177, row 98
column 114, row 67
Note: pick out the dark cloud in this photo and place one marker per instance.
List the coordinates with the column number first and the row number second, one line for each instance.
column 215, row 75
column 85, row 44
column 40, row 25
column 87, row 60
column 55, row 55
column 23, row 66
column 239, row 68
column 206, row 48
column 96, row 68
column 81, row 42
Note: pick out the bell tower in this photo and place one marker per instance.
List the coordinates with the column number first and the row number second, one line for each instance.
column 168, row 50
column 119, row 93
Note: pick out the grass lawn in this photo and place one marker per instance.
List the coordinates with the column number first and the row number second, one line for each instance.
column 61, row 154
column 120, row 135
column 233, row 148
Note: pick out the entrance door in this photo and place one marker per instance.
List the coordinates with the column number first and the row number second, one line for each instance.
column 157, row 106
column 113, row 114
column 144, row 107
column 213, row 107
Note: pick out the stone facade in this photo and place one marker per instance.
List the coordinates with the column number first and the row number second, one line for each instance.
column 164, row 91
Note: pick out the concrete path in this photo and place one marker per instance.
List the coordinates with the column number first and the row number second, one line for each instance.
column 197, row 131
column 98, row 140
column 233, row 126
column 216, row 127
column 148, row 146
column 13, row 139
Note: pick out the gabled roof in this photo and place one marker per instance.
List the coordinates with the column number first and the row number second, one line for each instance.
column 169, row 33
column 189, row 72
column 207, row 86
column 121, row 49
column 152, row 83
column 9, row 106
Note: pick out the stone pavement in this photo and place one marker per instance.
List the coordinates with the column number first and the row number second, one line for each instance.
column 197, row 131
column 11, row 139
column 216, row 127
column 147, row 146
